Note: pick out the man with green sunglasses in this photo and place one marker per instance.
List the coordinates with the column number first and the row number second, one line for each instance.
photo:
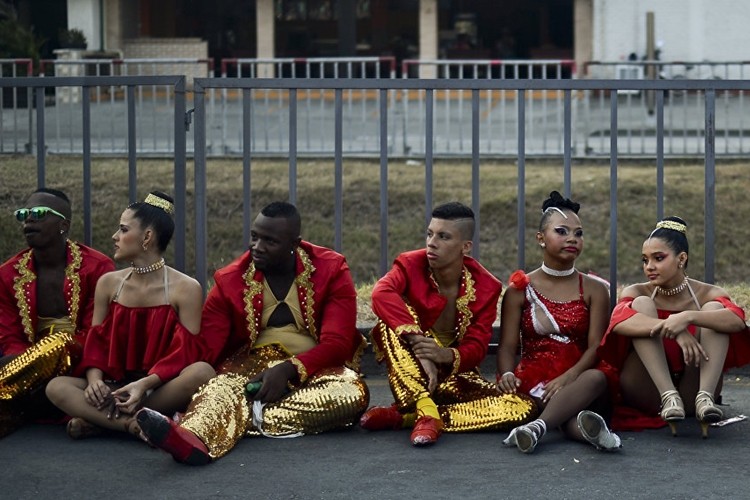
column 46, row 307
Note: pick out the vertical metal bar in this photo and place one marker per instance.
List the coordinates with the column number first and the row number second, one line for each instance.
column 338, row 169
column 199, row 138
column 40, row 145
column 567, row 132
column 710, row 184
column 521, row 206
column 132, row 193
column 613, row 198
column 383, row 182
column 293, row 146
column 475, row 200
column 246, row 164
column 659, row 154
column 180, row 175
column 428, row 155
column 29, row 100
column 86, row 130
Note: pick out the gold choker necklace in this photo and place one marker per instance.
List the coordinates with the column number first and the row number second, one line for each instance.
column 673, row 291
column 148, row 269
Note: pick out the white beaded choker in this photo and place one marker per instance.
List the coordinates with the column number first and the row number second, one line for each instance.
column 555, row 272
column 150, row 268
column 673, row 291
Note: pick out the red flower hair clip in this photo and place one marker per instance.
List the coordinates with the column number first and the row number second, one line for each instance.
column 518, row 280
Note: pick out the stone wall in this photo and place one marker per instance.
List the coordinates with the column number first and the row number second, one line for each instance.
column 166, row 49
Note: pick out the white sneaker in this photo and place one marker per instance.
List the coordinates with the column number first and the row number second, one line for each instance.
column 595, row 431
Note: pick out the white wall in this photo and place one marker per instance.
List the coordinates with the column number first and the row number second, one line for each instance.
column 694, row 30
column 84, row 15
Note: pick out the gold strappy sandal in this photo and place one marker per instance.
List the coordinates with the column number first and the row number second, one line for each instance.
column 672, row 409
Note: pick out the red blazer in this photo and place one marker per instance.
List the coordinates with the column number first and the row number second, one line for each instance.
column 407, row 300
column 18, row 294
column 233, row 308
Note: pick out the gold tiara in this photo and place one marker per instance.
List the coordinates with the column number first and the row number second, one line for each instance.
column 156, row 201
column 674, row 226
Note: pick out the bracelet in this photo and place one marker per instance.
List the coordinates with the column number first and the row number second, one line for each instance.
column 499, row 377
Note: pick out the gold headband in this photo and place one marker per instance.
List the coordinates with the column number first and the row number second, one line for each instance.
column 674, row 226
column 156, row 201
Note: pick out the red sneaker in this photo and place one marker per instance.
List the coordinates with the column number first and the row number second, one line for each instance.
column 381, row 418
column 426, row 431
column 183, row 445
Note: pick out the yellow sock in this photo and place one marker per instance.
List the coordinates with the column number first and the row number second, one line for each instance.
column 426, row 406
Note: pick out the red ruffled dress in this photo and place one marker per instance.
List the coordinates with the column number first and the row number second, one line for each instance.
column 133, row 341
column 554, row 336
column 616, row 348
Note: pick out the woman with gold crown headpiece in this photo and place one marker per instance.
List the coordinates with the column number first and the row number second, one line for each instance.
column 672, row 337
column 144, row 344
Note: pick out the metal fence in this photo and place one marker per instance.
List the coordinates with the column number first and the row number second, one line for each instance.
column 86, row 86
column 15, row 100
column 683, row 111
column 384, row 89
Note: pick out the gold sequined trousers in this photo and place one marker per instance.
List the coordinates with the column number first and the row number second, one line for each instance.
column 48, row 357
column 220, row 414
column 466, row 401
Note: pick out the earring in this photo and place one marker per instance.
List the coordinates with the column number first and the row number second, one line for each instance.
column 145, row 247
column 62, row 232
column 543, row 245
column 679, row 265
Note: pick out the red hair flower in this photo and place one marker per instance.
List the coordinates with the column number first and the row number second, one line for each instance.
column 518, row 280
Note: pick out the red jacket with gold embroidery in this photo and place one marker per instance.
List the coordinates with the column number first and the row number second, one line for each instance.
column 18, row 294
column 233, row 308
column 407, row 300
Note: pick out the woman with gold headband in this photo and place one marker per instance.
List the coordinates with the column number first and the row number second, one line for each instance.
column 672, row 337
column 143, row 347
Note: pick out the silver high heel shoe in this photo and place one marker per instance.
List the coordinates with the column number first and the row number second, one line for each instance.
column 526, row 437
column 672, row 409
column 595, row 431
column 705, row 411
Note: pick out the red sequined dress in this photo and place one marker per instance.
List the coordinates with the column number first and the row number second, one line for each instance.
column 554, row 335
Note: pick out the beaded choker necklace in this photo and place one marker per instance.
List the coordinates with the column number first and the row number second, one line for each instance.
column 673, row 291
column 555, row 272
column 150, row 268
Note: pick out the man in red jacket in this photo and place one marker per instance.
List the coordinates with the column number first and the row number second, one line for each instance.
column 284, row 315
column 46, row 305
column 436, row 307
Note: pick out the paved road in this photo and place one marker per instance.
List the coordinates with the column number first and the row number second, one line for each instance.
column 42, row 462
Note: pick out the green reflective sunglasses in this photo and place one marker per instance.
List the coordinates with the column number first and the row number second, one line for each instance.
column 36, row 213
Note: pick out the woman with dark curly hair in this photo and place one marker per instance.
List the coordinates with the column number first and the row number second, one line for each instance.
column 561, row 315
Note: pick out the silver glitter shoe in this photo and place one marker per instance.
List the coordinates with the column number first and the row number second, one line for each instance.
column 526, row 437
column 595, row 431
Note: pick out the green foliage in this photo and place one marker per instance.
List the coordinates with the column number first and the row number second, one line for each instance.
column 72, row 39
column 16, row 41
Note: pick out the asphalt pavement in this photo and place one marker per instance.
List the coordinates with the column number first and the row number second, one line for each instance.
column 40, row 461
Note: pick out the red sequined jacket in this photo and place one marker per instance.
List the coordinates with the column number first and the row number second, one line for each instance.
column 18, row 294
column 233, row 308
column 407, row 300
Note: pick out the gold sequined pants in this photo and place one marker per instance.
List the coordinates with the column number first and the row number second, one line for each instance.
column 48, row 357
column 220, row 414
column 466, row 401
